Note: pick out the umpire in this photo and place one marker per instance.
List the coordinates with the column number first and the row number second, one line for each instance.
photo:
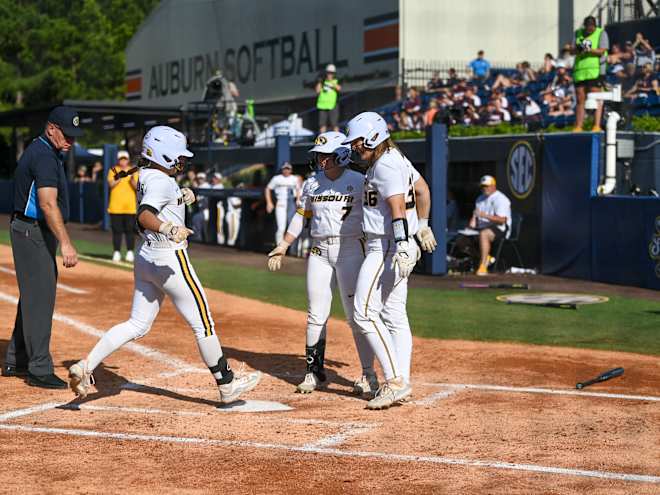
column 41, row 208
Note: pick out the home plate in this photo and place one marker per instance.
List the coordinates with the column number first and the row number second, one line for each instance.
column 254, row 406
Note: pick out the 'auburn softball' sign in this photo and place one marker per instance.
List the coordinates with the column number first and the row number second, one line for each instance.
column 271, row 50
column 521, row 169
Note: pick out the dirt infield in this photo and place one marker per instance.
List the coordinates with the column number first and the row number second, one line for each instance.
column 485, row 418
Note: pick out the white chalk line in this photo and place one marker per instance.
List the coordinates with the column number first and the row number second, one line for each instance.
column 140, row 349
column 18, row 413
column 339, row 453
column 429, row 400
column 536, row 390
column 60, row 285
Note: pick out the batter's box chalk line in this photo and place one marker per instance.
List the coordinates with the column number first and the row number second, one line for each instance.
column 321, row 447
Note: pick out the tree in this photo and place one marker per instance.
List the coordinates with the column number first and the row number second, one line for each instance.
column 51, row 50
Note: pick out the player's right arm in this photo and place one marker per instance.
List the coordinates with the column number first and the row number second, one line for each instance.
column 156, row 196
column 268, row 194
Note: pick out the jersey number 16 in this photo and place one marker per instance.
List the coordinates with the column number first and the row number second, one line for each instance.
column 370, row 198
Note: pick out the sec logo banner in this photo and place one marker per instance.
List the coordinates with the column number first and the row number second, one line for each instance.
column 521, row 169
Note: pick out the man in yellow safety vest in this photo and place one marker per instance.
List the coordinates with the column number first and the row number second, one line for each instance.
column 590, row 46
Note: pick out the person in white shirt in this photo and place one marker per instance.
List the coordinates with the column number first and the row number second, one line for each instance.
column 162, row 267
column 286, row 188
column 332, row 201
column 233, row 216
column 216, row 183
column 491, row 221
column 396, row 207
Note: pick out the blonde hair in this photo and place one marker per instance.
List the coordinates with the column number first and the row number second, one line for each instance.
column 383, row 148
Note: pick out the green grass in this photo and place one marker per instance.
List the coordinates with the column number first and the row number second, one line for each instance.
column 622, row 324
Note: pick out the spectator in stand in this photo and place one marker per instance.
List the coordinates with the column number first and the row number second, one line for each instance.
column 566, row 57
column 500, row 110
column 81, row 174
column 628, row 56
column 412, row 103
column 530, row 112
column 435, row 84
column 429, row 115
column 644, row 52
column 527, row 74
column 591, row 46
column 499, row 96
column 405, row 121
column 452, row 79
column 627, row 79
column 471, row 97
column 559, row 96
column 480, row 67
column 548, row 64
column 122, row 207
column 515, row 81
column 615, row 59
column 645, row 84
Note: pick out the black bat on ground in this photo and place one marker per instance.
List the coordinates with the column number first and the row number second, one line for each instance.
column 547, row 304
column 494, row 286
column 608, row 375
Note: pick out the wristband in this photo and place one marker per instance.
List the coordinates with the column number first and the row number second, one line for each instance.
column 423, row 223
column 400, row 227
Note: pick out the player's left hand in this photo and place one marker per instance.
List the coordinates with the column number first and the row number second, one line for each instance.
column 188, row 196
column 404, row 258
column 275, row 258
column 426, row 239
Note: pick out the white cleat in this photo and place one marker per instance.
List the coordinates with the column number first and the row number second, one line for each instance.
column 390, row 393
column 130, row 257
column 309, row 384
column 366, row 385
column 231, row 391
column 116, row 257
column 80, row 379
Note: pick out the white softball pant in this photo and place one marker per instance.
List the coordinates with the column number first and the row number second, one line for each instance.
column 380, row 309
column 219, row 223
column 159, row 272
column 233, row 219
column 335, row 260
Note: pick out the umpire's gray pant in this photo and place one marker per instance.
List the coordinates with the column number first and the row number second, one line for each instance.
column 34, row 248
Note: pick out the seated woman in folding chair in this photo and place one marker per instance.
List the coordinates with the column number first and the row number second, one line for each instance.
column 490, row 222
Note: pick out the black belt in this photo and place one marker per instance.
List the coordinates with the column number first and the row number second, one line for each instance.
column 17, row 215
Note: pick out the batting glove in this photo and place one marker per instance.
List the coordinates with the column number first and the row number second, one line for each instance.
column 276, row 255
column 425, row 236
column 405, row 258
column 175, row 233
column 188, row 196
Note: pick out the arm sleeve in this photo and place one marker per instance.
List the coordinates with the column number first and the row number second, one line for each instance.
column 503, row 207
column 390, row 179
column 46, row 172
column 157, row 194
column 604, row 41
column 296, row 225
column 415, row 174
column 272, row 184
column 305, row 203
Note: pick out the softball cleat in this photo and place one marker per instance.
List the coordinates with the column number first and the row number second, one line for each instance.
column 230, row 392
column 80, row 379
column 391, row 392
column 309, row 384
column 366, row 385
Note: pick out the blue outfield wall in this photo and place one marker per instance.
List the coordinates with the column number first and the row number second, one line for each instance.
column 568, row 183
column 625, row 236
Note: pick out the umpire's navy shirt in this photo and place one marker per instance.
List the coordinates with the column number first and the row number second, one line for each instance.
column 41, row 165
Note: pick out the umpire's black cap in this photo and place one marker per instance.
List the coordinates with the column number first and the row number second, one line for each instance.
column 67, row 119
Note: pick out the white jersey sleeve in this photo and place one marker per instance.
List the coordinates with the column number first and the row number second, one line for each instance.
column 155, row 191
column 161, row 192
column 389, row 179
column 305, row 208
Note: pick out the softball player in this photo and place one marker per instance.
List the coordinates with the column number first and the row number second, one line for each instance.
column 333, row 201
column 287, row 194
column 394, row 195
column 162, row 268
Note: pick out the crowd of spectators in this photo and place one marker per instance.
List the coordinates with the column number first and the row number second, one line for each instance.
column 533, row 96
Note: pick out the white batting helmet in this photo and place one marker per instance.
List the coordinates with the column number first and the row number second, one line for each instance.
column 331, row 142
column 369, row 126
column 164, row 145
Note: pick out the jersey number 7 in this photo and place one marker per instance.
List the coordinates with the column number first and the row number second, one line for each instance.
column 347, row 209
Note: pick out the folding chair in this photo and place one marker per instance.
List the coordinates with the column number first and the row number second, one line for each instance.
column 512, row 241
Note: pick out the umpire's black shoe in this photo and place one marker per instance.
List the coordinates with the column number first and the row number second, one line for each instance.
column 11, row 370
column 46, row 381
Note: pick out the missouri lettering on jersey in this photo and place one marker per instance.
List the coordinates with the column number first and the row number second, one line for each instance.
column 392, row 174
column 162, row 193
column 335, row 206
column 284, row 188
